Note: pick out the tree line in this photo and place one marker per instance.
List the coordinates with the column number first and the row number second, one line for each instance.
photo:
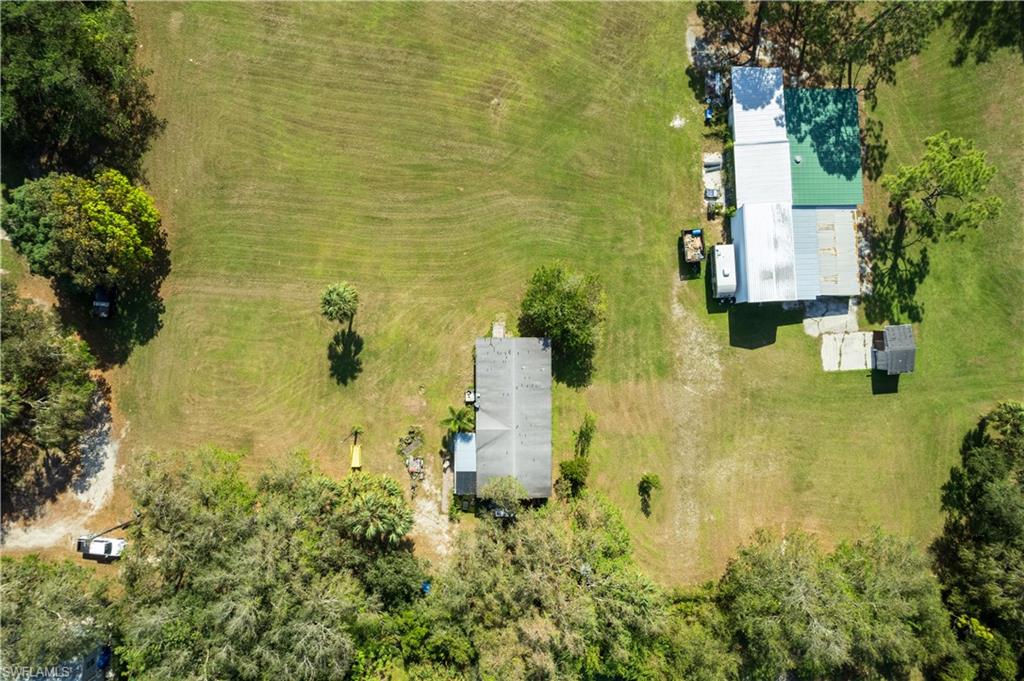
column 76, row 120
column 296, row 575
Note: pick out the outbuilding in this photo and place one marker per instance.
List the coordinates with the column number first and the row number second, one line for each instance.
column 894, row 350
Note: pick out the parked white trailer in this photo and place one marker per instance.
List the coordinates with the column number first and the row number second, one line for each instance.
column 724, row 284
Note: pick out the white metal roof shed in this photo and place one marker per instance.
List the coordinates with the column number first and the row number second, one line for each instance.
column 762, row 173
column 765, row 255
column 758, row 111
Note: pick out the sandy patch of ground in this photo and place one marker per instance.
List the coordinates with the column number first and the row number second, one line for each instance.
column 89, row 492
column 431, row 527
column 699, row 367
column 698, row 380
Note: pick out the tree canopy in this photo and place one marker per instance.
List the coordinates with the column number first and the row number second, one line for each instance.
column 870, row 610
column 339, row 302
column 569, row 308
column 99, row 232
column 47, row 387
column 554, row 596
column 839, row 44
column 459, row 420
column 943, row 194
column 504, row 491
column 226, row 579
column 980, row 555
column 73, row 98
column 52, row 612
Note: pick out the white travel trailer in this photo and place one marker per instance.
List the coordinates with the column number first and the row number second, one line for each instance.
column 724, row 283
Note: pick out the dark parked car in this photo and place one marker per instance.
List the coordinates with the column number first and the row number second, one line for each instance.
column 103, row 301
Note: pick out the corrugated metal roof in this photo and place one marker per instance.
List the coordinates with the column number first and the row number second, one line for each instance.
column 758, row 105
column 837, row 252
column 761, row 173
column 465, row 452
column 763, row 236
column 824, row 134
column 805, row 246
column 513, row 422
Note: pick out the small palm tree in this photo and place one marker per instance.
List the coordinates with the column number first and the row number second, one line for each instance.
column 459, row 420
column 339, row 302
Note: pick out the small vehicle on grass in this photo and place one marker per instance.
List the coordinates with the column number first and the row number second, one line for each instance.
column 693, row 247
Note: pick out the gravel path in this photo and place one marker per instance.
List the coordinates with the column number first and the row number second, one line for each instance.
column 88, row 492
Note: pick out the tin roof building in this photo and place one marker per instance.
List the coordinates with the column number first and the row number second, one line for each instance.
column 797, row 172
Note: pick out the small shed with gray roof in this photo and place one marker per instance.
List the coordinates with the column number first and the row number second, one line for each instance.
column 513, row 419
column 894, row 349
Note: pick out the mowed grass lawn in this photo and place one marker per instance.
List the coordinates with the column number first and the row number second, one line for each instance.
column 434, row 155
column 788, row 445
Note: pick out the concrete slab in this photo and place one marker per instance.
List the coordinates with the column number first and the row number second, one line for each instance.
column 846, row 351
column 830, row 315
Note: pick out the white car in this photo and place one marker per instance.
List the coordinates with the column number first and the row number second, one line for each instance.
column 101, row 549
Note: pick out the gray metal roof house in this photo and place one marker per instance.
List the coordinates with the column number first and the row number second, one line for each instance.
column 894, row 350
column 513, row 419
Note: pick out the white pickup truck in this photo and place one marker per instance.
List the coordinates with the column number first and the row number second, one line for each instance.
column 103, row 550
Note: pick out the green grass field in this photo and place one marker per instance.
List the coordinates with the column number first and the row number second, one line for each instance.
column 434, row 155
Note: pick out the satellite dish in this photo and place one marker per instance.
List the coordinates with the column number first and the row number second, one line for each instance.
column 797, row 159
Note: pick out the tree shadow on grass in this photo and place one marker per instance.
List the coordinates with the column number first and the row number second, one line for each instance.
column 753, row 325
column 874, row 148
column 136, row 318
column 575, row 370
column 981, row 28
column 899, row 264
column 645, row 504
column 343, row 356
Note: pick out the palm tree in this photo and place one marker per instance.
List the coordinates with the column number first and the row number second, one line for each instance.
column 339, row 302
column 377, row 512
column 459, row 420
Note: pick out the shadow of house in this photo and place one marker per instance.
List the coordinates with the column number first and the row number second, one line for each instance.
column 883, row 384
column 343, row 356
column 711, row 304
column 756, row 326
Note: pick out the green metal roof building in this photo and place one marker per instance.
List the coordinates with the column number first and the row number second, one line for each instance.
column 824, row 147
